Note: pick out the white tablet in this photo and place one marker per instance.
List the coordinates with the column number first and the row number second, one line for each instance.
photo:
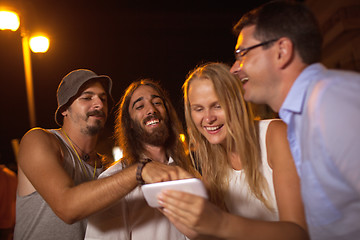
column 191, row 185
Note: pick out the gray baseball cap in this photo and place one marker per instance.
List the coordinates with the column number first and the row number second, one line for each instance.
column 70, row 85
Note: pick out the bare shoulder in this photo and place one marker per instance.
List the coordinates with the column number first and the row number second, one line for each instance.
column 276, row 141
column 276, row 127
column 37, row 133
column 37, row 140
column 276, row 132
column 39, row 148
column 37, row 136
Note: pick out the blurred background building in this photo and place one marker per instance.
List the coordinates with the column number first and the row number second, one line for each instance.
column 340, row 25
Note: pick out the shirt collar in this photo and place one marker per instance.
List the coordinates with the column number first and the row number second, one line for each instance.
column 294, row 101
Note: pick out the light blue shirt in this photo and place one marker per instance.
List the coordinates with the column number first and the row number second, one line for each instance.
column 322, row 111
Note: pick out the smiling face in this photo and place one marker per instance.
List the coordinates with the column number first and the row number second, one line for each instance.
column 89, row 110
column 206, row 112
column 149, row 117
column 256, row 68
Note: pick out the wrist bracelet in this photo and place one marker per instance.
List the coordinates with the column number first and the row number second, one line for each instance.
column 139, row 169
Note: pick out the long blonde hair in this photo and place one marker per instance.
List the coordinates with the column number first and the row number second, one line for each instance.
column 242, row 136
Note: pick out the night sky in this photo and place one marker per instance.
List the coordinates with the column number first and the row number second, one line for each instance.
column 126, row 40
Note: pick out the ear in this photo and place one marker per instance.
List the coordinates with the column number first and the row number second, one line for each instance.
column 285, row 52
column 64, row 113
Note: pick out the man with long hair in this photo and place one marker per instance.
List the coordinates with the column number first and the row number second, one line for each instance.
column 147, row 130
column 58, row 168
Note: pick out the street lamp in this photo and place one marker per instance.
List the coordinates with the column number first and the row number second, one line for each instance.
column 10, row 21
column 39, row 44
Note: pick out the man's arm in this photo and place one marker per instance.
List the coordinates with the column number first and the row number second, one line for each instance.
column 158, row 172
column 40, row 163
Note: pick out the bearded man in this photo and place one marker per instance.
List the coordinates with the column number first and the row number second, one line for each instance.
column 58, row 168
column 147, row 129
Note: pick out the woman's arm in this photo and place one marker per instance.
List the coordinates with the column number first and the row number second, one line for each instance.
column 285, row 178
column 196, row 214
column 199, row 215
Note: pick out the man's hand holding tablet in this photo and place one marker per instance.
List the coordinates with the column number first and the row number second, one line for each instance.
column 191, row 185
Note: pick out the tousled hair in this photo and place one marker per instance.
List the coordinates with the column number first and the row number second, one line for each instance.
column 131, row 146
column 286, row 19
column 241, row 138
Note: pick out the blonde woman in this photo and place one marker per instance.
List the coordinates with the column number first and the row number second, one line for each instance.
column 254, row 190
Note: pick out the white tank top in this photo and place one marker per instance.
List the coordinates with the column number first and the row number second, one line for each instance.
column 240, row 200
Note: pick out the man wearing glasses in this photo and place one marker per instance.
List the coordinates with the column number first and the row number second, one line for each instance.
column 277, row 59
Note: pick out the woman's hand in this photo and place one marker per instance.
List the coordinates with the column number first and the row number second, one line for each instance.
column 191, row 214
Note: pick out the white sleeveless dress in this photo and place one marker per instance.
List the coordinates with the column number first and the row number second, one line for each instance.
column 239, row 199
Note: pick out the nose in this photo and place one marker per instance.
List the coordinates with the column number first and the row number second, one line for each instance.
column 98, row 103
column 150, row 109
column 236, row 67
column 209, row 117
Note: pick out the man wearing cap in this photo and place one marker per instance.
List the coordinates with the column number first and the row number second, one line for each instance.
column 56, row 191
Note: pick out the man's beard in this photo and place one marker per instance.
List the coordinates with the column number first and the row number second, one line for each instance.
column 157, row 137
column 95, row 129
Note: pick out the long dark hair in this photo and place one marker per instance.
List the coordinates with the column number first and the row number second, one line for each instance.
column 133, row 148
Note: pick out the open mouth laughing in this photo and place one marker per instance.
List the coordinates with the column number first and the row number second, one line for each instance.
column 152, row 122
column 213, row 129
column 244, row 80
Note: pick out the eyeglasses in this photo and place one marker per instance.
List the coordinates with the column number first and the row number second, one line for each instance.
column 239, row 53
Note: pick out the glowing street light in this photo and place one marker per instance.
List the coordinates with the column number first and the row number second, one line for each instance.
column 10, row 21
column 39, row 44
